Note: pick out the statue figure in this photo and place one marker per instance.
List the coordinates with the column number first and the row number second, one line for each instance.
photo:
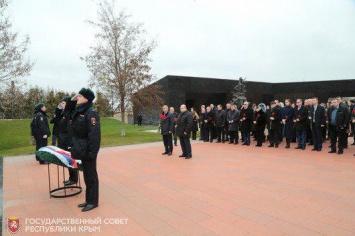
column 239, row 92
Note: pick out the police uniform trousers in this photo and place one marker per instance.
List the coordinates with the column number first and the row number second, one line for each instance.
column 91, row 181
column 73, row 173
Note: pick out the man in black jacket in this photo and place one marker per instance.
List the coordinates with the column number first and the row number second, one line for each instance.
column 226, row 131
column 300, row 120
column 167, row 127
column 86, row 144
column 220, row 119
column 275, row 119
column 317, row 121
column 208, row 119
column 183, row 129
column 54, row 121
column 65, row 134
column 338, row 119
column 40, row 128
column 172, row 111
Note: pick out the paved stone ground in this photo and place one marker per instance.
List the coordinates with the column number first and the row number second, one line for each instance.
column 223, row 190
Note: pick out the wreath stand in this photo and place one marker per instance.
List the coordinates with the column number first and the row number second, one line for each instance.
column 69, row 191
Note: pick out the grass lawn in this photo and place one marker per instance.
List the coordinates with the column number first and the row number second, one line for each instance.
column 15, row 135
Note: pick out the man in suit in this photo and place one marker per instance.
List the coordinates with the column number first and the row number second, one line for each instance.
column 317, row 121
column 220, row 119
column 183, row 130
column 172, row 111
column 300, row 120
column 208, row 120
column 226, row 131
column 167, row 127
column 352, row 119
column 338, row 119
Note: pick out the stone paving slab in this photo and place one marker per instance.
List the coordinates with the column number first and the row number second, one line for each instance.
column 223, row 190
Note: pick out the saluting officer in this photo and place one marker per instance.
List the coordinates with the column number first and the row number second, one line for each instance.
column 40, row 128
column 86, row 144
column 65, row 134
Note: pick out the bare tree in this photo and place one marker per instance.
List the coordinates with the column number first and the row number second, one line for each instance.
column 13, row 63
column 119, row 60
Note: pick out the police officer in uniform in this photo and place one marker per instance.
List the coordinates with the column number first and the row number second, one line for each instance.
column 40, row 129
column 85, row 124
column 65, row 134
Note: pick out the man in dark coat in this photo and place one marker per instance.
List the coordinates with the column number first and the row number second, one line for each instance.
column 352, row 119
column 172, row 111
column 54, row 121
column 40, row 129
column 226, row 130
column 233, row 117
column 280, row 124
column 338, row 119
column 183, row 129
column 275, row 120
column 167, row 127
column 308, row 104
column 65, row 134
column 208, row 120
column 213, row 127
column 287, row 119
column 86, row 144
column 301, row 121
column 139, row 119
column 220, row 119
column 202, row 123
column 317, row 118
column 246, row 122
column 259, row 124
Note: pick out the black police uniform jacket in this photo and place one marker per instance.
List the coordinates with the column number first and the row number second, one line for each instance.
column 65, row 132
column 246, row 125
column 260, row 118
column 302, row 115
column 220, row 118
column 86, row 132
column 55, row 120
column 184, row 124
column 166, row 123
column 39, row 125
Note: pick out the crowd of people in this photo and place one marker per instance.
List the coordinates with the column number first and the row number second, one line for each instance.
column 303, row 122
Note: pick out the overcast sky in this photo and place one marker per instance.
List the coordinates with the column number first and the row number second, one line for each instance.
column 271, row 41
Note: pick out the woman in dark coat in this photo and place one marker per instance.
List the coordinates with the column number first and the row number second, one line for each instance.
column 259, row 124
column 194, row 128
column 287, row 120
column 232, row 119
column 246, row 121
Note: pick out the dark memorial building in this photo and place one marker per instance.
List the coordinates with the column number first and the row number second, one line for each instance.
column 195, row 91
